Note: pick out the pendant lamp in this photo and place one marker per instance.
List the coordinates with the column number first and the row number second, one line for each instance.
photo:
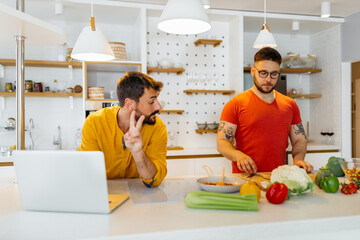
column 265, row 37
column 92, row 44
column 184, row 17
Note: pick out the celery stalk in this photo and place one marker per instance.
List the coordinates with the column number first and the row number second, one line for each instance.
column 211, row 200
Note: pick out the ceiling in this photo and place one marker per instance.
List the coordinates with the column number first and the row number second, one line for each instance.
column 79, row 12
column 339, row 8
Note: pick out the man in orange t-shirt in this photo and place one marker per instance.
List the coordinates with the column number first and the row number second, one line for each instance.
column 261, row 120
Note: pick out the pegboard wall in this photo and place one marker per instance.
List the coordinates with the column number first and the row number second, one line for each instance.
column 206, row 67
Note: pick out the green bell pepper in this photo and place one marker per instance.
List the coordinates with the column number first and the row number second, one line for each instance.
column 330, row 184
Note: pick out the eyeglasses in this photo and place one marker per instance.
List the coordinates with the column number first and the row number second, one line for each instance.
column 264, row 74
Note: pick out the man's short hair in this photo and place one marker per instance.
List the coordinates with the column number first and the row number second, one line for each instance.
column 268, row 53
column 132, row 85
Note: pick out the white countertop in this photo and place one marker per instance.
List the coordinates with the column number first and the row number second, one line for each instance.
column 210, row 151
column 317, row 214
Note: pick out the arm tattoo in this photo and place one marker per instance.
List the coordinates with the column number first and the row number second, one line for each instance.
column 221, row 126
column 299, row 130
column 229, row 133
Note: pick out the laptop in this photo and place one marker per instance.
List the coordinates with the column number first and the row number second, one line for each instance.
column 64, row 181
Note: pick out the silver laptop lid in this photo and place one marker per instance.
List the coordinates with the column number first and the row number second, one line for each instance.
column 62, row 181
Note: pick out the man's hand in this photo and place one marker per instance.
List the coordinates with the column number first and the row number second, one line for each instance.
column 133, row 138
column 246, row 164
column 303, row 164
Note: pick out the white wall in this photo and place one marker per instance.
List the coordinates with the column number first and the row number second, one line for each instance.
column 350, row 36
column 326, row 111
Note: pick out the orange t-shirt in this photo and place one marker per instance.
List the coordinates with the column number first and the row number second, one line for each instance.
column 262, row 128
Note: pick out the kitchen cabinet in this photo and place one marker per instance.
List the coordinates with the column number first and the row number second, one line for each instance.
column 317, row 159
column 193, row 166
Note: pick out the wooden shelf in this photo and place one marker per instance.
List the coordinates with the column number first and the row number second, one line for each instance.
column 224, row 92
column 292, row 70
column 172, row 111
column 101, row 100
column 41, row 94
column 41, row 63
column 201, row 131
column 304, row 95
column 174, row 148
column 213, row 42
column 178, row 71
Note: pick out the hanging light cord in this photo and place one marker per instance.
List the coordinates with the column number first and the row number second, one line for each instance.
column 92, row 19
column 265, row 12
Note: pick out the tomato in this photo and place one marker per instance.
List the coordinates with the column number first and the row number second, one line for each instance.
column 277, row 193
column 249, row 188
column 349, row 188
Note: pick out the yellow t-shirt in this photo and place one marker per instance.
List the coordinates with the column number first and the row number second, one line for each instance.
column 102, row 133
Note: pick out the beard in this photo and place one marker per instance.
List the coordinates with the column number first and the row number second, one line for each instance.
column 149, row 119
column 261, row 89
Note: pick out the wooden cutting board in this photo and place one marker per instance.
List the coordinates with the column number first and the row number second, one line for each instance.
column 265, row 176
column 260, row 177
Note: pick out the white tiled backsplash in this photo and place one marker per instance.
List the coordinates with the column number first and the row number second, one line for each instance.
column 326, row 111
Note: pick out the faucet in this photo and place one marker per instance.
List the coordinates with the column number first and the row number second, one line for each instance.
column 57, row 141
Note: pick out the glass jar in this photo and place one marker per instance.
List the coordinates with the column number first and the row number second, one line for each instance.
column 38, row 87
column 28, row 86
column 8, row 87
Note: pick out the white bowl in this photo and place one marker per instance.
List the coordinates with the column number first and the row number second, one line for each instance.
column 153, row 64
column 178, row 65
column 221, row 189
column 165, row 63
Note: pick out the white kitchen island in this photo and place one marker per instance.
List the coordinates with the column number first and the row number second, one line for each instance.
column 160, row 213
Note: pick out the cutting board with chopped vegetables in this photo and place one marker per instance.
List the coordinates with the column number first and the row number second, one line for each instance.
column 257, row 177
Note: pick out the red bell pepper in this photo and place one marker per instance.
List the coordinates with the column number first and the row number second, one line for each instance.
column 277, row 193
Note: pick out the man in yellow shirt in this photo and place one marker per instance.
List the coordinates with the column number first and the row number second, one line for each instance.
column 132, row 138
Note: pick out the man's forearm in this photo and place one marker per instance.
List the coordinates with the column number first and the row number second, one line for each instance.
column 228, row 150
column 299, row 150
column 145, row 167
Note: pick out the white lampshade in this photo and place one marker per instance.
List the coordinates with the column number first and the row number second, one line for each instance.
column 184, row 17
column 325, row 9
column 265, row 38
column 92, row 46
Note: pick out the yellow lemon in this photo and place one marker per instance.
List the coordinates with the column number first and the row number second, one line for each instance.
column 249, row 188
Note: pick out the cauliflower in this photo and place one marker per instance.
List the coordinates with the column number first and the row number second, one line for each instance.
column 295, row 178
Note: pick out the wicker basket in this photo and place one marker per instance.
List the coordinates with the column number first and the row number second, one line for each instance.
column 119, row 50
column 96, row 92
